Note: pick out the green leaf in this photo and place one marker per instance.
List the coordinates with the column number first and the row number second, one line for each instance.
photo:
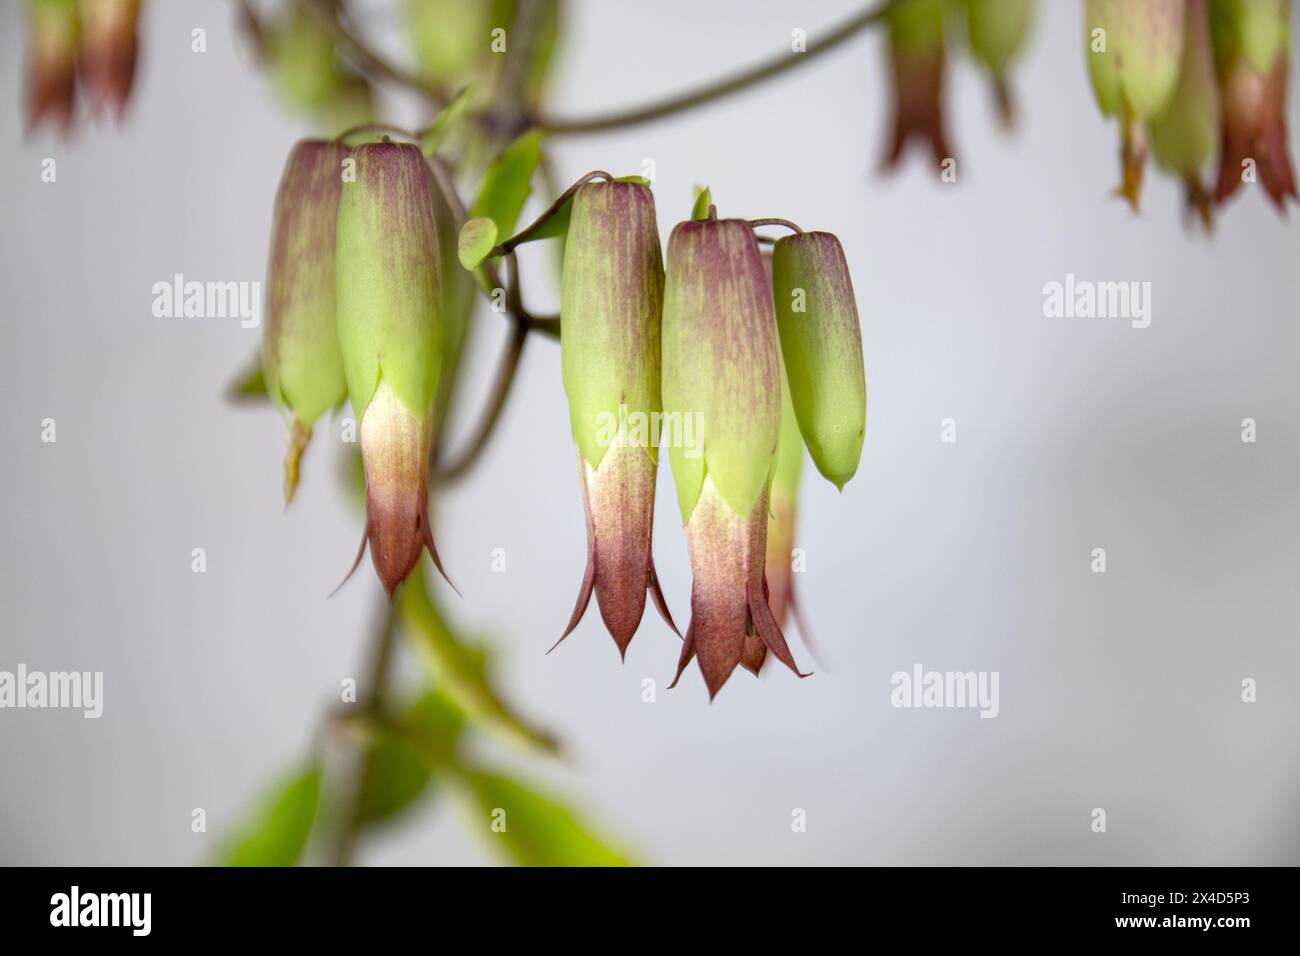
column 535, row 830
column 509, row 182
column 396, row 775
column 249, row 385
column 278, row 833
column 460, row 670
column 703, row 199
column 446, row 119
column 477, row 238
column 557, row 225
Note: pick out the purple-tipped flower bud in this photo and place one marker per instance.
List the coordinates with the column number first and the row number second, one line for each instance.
column 916, row 60
column 721, row 367
column 611, row 301
column 108, row 51
column 997, row 31
column 1183, row 136
column 1134, row 53
column 389, row 300
column 1252, row 53
column 300, row 354
column 51, row 62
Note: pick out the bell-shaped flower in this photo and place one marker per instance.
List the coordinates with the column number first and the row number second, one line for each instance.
column 611, row 302
column 389, row 302
column 721, row 367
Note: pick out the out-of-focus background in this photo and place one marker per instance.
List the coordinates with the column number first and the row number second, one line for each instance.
column 1119, row 690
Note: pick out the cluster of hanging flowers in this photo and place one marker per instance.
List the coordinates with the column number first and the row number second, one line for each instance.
column 922, row 36
column 1187, row 81
column 1188, row 77
column 91, row 40
column 701, row 341
column 357, row 299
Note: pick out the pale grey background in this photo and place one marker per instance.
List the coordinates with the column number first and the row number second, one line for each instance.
column 1118, row 691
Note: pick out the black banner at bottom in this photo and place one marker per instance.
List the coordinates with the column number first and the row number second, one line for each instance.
column 306, row 905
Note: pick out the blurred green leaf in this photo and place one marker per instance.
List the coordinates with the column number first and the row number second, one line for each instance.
column 460, row 670
column 703, row 199
column 249, row 385
column 278, row 832
column 476, row 240
column 508, row 183
column 396, row 775
column 405, row 756
column 445, row 121
column 535, row 830
column 435, row 725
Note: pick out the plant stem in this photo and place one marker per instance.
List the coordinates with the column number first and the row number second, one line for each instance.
column 755, row 223
column 500, row 391
column 329, row 16
column 252, row 25
column 519, row 238
column 373, row 706
column 719, row 88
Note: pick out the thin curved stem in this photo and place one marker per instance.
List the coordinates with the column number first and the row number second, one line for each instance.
column 251, row 23
column 510, row 359
column 755, row 223
column 374, row 706
column 719, row 88
column 365, row 58
column 375, row 128
column 520, row 238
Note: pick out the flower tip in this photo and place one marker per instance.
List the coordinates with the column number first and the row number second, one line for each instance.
column 297, row 438
column 1131, row 193
column 1005, row 102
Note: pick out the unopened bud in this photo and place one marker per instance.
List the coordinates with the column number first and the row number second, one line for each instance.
column 108, row 51
column 51, row 62
column 821, row 344
column 300, row 355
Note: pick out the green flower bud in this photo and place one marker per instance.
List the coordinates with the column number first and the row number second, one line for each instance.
column 301, row 363
column 389, row 297
column 611, row 300
column 108, row 51
column 821, row 343
column 449, row 36
column 304, row 64
column 916, row 58
column 1252, row 54
column 1183, row 137
column 721, row 368
column 51, row 62
column 1134, row 51
column 997, row 31
column 351, row 105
